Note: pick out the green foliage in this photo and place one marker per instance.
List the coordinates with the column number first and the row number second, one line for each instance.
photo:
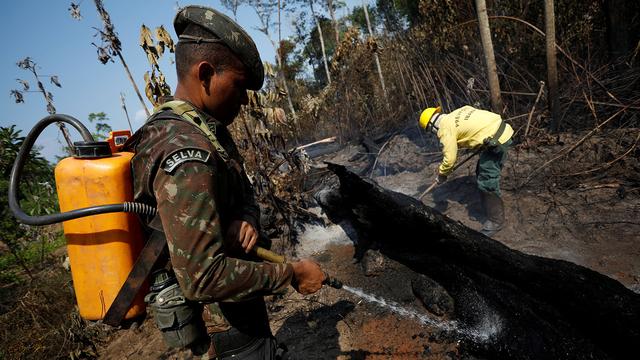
column 37, row 172
column 313, row 50
column 358, row 18
column 36, row 194
column 30, row 253
column 40, row 200
column 8, row 276
column 10, row 230
column 409, row 10
column 389, row 16
column 102, row 128
column 292, row 61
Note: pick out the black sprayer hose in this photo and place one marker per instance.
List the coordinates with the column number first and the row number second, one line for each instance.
column 16, row 173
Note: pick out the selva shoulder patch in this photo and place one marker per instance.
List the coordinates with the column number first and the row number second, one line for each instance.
column 174, row 159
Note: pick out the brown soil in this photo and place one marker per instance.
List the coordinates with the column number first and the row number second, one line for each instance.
column 331, row 324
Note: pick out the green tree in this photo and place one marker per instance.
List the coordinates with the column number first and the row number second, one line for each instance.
column 391, row 18
column 103, row 128
column 292, row 60
column 358, row 18
column 100, row 132
column 313, row 50
column 35, row 191
column 409, row 11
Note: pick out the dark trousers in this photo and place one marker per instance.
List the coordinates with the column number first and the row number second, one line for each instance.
column 232, row 344
column 490, row 166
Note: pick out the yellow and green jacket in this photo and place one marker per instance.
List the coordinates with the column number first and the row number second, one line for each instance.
column 467, row 128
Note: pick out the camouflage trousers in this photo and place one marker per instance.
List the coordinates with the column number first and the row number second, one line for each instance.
column 489, row 167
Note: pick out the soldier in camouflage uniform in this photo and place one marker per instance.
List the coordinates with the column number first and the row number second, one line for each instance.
column 187, row 165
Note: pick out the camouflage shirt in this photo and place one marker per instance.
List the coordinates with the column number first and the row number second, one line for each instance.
column 198, row 195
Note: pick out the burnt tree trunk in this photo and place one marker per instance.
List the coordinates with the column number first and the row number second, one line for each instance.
column 321, row 36
column 336, row 28
column 489, row 56
column 552, row 65
column 375, row 53
column 525, row 306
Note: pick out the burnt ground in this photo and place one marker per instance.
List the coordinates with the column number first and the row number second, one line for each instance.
column 331, row 324
column 590, row 220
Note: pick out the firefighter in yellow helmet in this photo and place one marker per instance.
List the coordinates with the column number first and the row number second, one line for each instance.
column 471, row 128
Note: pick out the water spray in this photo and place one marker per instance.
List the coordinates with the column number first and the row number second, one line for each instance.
column 485, row 331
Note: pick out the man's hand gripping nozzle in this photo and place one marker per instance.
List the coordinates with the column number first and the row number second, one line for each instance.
column 269, row 255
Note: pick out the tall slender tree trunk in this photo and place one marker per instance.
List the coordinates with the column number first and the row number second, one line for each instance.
column 489, row 57
column 284, row 79
column 336, row 29
column 104, row 15
column 375, row 54
column 257, row 8
column 324, row 53
column 552, row 68
column 284, row 84
column 126, row 112
column 133, row 82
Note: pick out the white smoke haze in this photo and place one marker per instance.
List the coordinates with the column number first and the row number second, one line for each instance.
column 138, row 119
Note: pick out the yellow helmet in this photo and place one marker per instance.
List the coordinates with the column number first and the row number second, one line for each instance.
column 426, row 116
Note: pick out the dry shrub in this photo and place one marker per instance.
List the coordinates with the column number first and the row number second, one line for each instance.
column 354, row 105
column 440, row 62
column 276, row 171
column 39, row 320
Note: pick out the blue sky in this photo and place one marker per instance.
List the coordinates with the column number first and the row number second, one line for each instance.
column 60, row 45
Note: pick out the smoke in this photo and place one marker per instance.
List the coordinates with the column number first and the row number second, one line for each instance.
column 139, row 118
column 316, row 238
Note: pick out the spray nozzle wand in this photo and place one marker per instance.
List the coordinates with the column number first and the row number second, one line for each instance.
column 331, row 281
column 277, row 258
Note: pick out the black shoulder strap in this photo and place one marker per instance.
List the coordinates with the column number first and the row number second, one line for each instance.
column 494, row 140
column 148, row 257
column 496, row 136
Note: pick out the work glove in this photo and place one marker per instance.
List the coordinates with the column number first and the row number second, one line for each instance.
column 441, row 179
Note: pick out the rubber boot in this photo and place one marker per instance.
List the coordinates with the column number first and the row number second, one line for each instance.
column 494, row 209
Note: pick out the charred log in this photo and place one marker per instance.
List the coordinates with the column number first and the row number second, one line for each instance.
column 514, row 305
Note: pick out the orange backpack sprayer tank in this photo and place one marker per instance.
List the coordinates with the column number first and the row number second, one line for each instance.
column 102, row 248
column 103, row 237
